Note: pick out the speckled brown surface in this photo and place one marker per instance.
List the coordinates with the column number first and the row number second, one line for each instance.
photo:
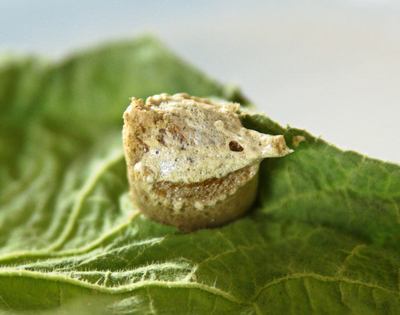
column 190, row 162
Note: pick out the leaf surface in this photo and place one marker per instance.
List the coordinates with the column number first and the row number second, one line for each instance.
column 323, row 237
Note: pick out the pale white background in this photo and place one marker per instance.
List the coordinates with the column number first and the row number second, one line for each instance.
column 331, row 67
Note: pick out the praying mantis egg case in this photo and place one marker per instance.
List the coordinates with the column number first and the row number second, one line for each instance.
column 190, row 162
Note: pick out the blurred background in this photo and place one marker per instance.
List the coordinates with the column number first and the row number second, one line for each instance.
column 331, row 67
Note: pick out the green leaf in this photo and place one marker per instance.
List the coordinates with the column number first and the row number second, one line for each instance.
column 323, row 237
